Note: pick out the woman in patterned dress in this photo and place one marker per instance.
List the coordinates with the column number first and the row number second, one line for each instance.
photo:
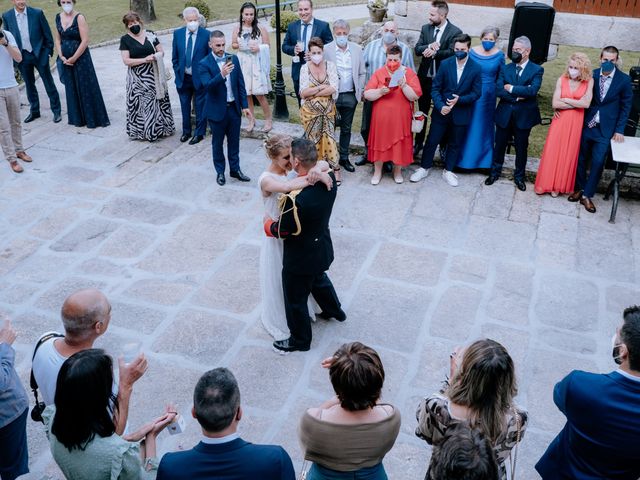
column 252, row 42
column 480, row 391
column 148, row 117
column 319, row 91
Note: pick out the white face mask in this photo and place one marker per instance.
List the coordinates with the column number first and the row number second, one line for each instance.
column 573, row 73
column 193, row 26
column 67, row 7
column 316, row 59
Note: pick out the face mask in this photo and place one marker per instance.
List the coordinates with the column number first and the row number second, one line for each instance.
column 341, row 40
column 573, row 73
column 135, row 29
column 393, row 66
column 607, row 66
column 516, row 57
column 488, row 44
column 193, row 26
column 388, row 38
column 615, row 349
column 460, row 55
column 316, row 59
column 67, row 7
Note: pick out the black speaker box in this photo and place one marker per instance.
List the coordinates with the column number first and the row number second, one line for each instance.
column 535, row 21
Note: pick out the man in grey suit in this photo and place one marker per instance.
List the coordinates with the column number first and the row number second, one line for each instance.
column 351, row 74
column 434, row 45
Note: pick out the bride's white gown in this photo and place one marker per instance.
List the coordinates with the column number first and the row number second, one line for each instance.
column 274, row 318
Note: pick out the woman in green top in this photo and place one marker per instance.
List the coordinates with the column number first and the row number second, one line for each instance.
column 81, row 429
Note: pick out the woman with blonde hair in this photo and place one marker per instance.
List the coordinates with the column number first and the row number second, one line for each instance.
column 559, row 160
column 480, row 391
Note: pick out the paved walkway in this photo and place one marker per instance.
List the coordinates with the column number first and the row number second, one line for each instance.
column 419, row 269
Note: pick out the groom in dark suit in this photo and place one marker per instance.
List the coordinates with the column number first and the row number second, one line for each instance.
column 302, row 31
column 33, row 36
column 603, row 121
column 308, row 252
column 517, row 113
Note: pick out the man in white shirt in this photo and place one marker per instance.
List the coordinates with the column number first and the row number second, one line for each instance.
column 10, row 126
column 351, row 74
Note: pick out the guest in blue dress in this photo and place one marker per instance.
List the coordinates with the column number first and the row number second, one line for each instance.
column 85, row 106
column 477, row 151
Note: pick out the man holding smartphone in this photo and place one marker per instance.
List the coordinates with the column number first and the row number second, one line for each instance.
column 226, row 101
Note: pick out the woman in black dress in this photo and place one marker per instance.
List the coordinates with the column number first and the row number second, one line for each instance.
column 148, row 117
column 85, row 105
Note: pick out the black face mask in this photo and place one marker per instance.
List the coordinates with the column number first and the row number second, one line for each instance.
column 135, row 29
column 516, row 57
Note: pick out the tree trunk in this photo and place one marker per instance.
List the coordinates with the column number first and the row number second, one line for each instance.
column 145, row 9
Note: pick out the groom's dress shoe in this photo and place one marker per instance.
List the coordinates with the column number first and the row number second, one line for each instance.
column 240, row 176
column 220, row 179
column 31, row 117
column 288, row 345
column 340, row 317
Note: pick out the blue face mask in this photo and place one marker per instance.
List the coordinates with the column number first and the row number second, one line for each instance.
column 460, row 55
column 607, row 66
column 488, row 44
column 388, row 38
column 341, row 40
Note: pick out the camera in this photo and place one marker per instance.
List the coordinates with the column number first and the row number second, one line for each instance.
column 36, row 413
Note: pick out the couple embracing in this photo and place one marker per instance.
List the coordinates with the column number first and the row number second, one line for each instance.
column 298, row 193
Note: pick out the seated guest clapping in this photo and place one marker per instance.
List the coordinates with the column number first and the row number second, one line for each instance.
column 222, row 453
column 348, row 436
column 81, row 430
column 481, row 389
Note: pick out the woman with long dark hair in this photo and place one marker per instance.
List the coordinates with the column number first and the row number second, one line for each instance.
column 252, row 42
column 480, row 390
column 81, row 426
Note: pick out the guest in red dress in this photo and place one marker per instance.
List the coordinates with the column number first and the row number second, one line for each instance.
column 559, row 161
column 390, row 136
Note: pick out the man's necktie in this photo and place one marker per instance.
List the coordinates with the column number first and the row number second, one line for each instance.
column 432, row 68
column 189, row 50
column 305, row 26
column 24, row 32
column 593, row 122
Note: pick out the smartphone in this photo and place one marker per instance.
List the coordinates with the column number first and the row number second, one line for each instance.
column 228, row 60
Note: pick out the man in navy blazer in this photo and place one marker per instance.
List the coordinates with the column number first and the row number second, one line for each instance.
column 226, row 101
column 32, row 33
column 221, row 453
column 302, row 31
column 601, row 439
column 517, row 112
column 604, row 121
column 190, row 45
column 456, row 86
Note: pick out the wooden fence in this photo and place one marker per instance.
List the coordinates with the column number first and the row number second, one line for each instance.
column 608, row 8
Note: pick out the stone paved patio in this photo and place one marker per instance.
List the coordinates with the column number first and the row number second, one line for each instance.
column 419, row 269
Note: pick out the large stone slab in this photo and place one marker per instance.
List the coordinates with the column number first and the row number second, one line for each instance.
column 419, row 266
column 143, row 210
column 488, row 236
column 85, row 236
column 568, row 303
column 456, row 313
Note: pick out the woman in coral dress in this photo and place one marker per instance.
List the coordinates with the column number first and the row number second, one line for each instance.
column 390, row 136
column 559, row 160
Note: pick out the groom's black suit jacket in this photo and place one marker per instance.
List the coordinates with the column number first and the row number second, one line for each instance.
column 310, row 252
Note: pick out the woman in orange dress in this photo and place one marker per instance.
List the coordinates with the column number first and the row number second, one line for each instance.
column 390, row 137
column 559, row 161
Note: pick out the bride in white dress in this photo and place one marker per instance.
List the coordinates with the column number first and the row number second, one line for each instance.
column 275, row 180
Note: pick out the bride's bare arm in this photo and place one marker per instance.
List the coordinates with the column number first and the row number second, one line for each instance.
column 271, row 185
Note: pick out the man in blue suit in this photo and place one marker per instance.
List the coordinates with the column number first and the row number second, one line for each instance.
column 296, row 40
column 456, row 86
column 190, row 45
column 604, row 121
column 601, row 439
column 517, row 112
column 32, row 33
column 222, row 453
column 226, row 101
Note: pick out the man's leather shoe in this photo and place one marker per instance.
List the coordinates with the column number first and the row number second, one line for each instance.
column 362, row 161
column 588, row 204
column 31, row 117
column 288, row 345
column 490, row 180
column 24, row 156
column 575, row 196
column 240, row 176
column 184, row 138
column 220, row 179
column 340, row 317
column 196, row 139
column 57, row 118
column 520, row 184
column 16, row 167
column 348, row 166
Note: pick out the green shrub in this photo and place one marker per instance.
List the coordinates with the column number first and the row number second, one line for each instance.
column 201, row 5
column 286, row 17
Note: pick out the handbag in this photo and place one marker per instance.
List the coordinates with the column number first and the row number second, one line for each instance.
column 152, row 37
column 417, row 120
column 513, row 455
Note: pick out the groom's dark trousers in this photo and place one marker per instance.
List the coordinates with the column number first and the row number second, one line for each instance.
column 308, row 253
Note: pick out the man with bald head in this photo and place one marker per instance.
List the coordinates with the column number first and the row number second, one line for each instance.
column 85, row 316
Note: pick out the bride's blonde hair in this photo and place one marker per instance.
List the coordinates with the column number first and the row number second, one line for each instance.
column 276, row 143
